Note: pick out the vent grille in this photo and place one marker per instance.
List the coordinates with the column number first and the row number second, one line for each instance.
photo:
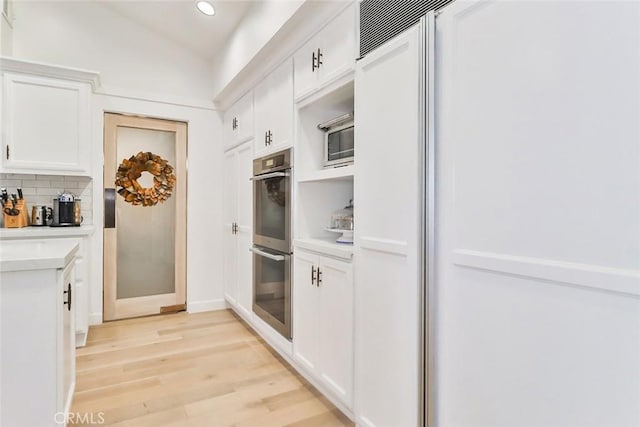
column 381, row 20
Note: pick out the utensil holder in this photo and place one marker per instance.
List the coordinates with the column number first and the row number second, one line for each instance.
column 17, row 221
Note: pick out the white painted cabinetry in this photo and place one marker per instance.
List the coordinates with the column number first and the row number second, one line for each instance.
column 323, row 321
column 238, row 122
column 274, row 111
column 237, row 273
column 45, row 122
column 327, row 56
column 37, row 339
column 389, row 91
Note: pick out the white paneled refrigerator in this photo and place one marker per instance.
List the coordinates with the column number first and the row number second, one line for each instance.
column 393, row 191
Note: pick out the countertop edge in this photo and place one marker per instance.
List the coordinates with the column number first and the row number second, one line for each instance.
column 46, row 232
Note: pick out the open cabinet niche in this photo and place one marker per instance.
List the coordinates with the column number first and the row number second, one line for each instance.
column 320, row 191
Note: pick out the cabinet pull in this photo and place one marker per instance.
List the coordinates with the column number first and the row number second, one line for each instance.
column 68, row 301
column 7, row 151
column 319, row 58
column 265, row 138
column 313, row 275
column 237, row 123
column 269, row 137
column 319, row 279
column 313, row 62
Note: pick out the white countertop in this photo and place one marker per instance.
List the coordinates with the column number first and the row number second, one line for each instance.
column 327, row 247
column 40, row 232
column 21, row 255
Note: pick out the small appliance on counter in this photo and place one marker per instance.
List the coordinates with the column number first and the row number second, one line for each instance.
column 342, row 222
column 41, row 215
column 66, row 211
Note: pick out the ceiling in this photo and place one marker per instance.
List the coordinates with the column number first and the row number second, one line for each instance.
column 180, row 21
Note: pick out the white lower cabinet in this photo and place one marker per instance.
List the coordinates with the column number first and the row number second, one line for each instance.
column 37, row 346
column 323, row 321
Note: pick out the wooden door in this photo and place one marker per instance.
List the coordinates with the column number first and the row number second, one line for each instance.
column 145, row 216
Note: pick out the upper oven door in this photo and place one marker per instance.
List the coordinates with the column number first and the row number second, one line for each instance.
column 272, row 210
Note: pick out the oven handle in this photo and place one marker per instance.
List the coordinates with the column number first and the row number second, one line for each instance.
column 267, row 254
column 269, row 175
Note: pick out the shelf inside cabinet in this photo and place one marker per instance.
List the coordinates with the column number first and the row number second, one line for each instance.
column 326, row 247
column 340, row 173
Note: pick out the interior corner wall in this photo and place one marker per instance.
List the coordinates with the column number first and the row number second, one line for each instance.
column 204, row 173
column 6, row 34
column 255, row 30
column 89, row 35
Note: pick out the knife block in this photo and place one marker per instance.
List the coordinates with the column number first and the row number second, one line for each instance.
column 17, row 221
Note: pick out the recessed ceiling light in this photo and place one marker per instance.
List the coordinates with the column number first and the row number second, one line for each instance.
column 205, row 7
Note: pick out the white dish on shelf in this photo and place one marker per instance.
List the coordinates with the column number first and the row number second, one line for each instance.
column 346, row 237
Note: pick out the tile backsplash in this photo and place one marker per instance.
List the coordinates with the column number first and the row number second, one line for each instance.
column 41, row 189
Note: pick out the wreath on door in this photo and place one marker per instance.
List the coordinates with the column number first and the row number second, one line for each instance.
column 131, row 169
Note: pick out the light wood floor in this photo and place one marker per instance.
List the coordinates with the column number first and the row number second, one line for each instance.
column 184, row 370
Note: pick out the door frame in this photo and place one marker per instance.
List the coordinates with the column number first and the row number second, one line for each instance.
column 114, row 309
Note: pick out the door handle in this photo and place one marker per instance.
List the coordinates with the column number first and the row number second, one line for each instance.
column 109, row 208
column 267, row 254
column 68, row 301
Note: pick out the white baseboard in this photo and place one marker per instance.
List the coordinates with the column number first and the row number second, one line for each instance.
column 210, row 305
column 95, row 318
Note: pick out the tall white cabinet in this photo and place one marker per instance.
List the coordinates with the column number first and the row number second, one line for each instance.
column 237, row 227
column 390, row 132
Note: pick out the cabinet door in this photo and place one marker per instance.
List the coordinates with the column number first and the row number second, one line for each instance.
column 336, row 327
column 229, row 133
column 229, row 219
column 68, row 339
column 387, row 277
column 281, row 105
column 338, row 46
column 306, row 76
column 244, row 218
column 262, row 116
column 244, row 119
column 46, row 126
column 305, row 311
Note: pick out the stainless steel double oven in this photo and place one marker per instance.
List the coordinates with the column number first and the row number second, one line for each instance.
column 272, row 240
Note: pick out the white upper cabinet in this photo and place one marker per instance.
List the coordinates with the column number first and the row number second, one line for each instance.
column 274, row 111
column 46, row 125
column 238, row 122
column 328, row 56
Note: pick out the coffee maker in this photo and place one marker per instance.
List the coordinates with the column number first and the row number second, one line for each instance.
column 66, row 211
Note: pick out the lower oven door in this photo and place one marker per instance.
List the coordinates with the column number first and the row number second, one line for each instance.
column 272, row 288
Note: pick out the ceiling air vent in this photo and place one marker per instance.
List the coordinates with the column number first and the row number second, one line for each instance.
column 382, row 20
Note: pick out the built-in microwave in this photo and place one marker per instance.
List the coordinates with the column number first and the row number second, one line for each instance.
column 338, row 141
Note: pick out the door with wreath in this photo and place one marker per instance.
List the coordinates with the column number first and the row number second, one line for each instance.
column 145, row 216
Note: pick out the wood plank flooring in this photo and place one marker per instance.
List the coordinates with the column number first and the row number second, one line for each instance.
column 192, row 370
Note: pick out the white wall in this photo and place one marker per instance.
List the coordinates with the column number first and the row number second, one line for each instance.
column 6, row 33
column 255, row 30
column 538, row 214
column 204, row 257
column 85, row 34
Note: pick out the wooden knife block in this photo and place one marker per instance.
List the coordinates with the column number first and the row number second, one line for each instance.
column 18, row 221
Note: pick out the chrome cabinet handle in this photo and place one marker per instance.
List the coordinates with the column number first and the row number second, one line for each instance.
column 319, row 280
column 319, row 58
column 313, row 275
column 313, row 62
